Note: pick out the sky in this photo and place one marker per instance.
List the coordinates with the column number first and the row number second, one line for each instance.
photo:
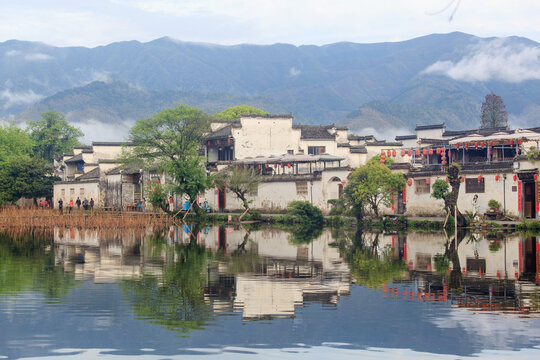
column 100, row 22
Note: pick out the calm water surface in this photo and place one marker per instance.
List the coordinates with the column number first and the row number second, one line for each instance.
column 224, row 292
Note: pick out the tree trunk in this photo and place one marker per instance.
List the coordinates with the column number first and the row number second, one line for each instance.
column 454, row 180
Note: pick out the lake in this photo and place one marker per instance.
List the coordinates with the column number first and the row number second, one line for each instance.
column 235, row 292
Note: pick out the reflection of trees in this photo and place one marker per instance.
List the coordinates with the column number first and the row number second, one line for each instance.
column 177, row 301
column 26, row 263
column 369, row 266
column 455, row 282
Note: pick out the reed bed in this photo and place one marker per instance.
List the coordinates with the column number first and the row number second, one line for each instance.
column 42, row 219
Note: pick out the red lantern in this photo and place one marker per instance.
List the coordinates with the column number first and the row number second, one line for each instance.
column 382, row 162
column 409, row 182
column 417, row 152
column 266, row 166
column 476, row 144
column 479, row 178
column 409, row 153
column 466, row 146
column 383, row 152
column 428, row 181
column 519, row 142
column 402, row 153
column 288, row 165
column 535, row 177
column 447, row 179
column 482, row 144
column 229, row 141
column 282, row 165
column 438, row 151
column 383, row 157
column 515, row 177
column 424, row 152
column 444, row 162
column 157, row 181
column 275, row 166
column 496, row 177
column 149, row 182
column 389, row 153
column 430, row 152
column 209, row 143
column 218, row 142
column 260, row 166
column 394, row 153
column 491, row 143
column 511, row 142
column 457, row 146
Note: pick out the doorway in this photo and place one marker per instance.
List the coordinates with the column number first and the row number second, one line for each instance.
column 529, row 200
column 222, row 199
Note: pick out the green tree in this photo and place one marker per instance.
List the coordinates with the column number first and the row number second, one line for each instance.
column 169, row 141
column 14, row 142
column 53, row 135
column 240, row 181
column 25, row 177
column 233, row 113
column 371, row 186
column 493, row 113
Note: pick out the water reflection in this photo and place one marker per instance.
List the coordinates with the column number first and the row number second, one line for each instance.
column 412, row 290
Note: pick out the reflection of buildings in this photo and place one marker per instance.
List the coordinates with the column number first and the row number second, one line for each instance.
column 280, row 275
column 91, row 255
column 496, row 272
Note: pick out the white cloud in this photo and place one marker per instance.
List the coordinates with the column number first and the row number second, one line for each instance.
column 13, row 53
column 493, row 60
column 37, row 57
column 388, row 134
column 293, row 72
column 19, row 98
column 96, row 130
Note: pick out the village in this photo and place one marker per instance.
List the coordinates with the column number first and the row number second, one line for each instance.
column 313, row 163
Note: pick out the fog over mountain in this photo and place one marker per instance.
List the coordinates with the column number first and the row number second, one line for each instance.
column 387, row 88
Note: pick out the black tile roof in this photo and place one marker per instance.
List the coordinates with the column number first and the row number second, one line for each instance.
column 314, row 132
column 359, row 149
column 92, row 174
column 405, row 137
column 76, row 158
column 224, row 132
column 430, row 127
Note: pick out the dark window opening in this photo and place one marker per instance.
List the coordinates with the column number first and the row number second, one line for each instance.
column 474, row 186
column 316, row 150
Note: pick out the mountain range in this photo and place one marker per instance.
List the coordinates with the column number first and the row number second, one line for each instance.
column 380, row 87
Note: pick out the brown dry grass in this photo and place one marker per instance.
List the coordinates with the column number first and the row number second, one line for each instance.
column 48, row 219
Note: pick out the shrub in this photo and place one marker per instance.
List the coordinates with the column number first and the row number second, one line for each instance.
column 305, row 213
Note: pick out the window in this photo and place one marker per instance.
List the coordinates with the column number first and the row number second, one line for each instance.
column 290, row 152
column 81, row 191
column 80, row 167
column 316, row 150
column 72, row 192
column 301, row 188
column 421, row 186
column 474, row 186
column 225, row 154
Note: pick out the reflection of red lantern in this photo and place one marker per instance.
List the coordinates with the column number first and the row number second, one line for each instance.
column 515, row 177
column 496, row 177
column 479, row 178
column 282, row 165
column 424, row 152
column 511, row 142
column 402, row 153
column 382, row 152
column 430, row 152
column 409, row 182
column 428, row 181
column 417, row 152
column 482, row 144
column 466, row 146
column 394, row 153
column 409, row 152
column 457, row 146
column 520, row 142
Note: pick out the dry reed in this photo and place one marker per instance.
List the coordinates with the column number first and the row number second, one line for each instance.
column 47, row 219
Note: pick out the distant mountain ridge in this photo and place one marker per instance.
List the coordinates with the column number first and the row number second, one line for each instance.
column 362, row 85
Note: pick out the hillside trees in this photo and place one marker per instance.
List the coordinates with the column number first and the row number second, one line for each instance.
column 233, row 113
column 493, row 113
column 53, row 135
column 169, row 142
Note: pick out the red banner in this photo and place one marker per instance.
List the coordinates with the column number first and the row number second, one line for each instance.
column 519, row 195
column 536, row 194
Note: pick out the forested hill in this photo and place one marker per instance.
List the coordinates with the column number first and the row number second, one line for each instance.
column 424, row 80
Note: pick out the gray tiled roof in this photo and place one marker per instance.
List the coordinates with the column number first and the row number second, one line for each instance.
column 314, row 132
column 76, row 158
column 92, row 174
